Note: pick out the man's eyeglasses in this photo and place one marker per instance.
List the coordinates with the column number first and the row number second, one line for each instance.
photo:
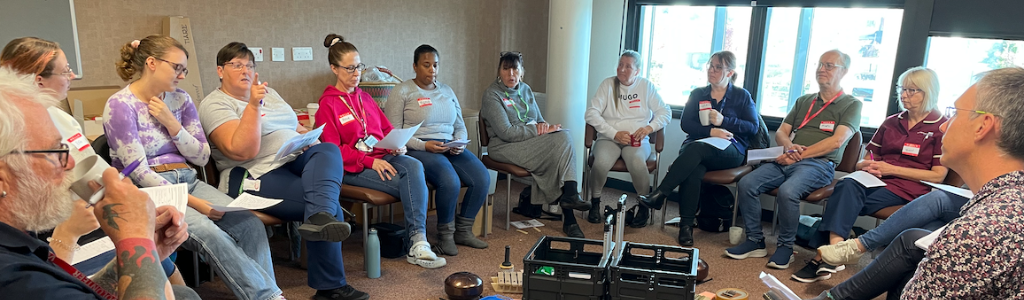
column 353, row 69
column 238, row 66
column 62, row 154
column 828, row 66
column 951, row 111
column 179, row 69
column 910, row 92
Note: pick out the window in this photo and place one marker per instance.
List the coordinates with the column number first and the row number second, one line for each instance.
column 676, row 43
column 796, row 38
column 958, row 60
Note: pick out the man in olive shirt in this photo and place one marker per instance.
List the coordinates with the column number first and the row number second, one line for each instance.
column 814, row 135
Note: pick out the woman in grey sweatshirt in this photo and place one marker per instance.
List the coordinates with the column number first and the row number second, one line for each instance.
column 520, row 136
column 447, row 168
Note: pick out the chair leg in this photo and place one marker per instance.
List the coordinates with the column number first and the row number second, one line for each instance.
column 391, row 211
column 366, row 228
column 488, row 211
column 508, row 201
column 735, row 206
column 775, row 218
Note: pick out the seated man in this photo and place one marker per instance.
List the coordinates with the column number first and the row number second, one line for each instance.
column 34, row 188
column 977, row 256
column 814, row 135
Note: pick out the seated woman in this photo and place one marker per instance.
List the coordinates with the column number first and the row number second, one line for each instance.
column 731, row 116
column 354, row 122
column 517, row 130
column 155, row 123
column 424, row 100
column 49, row 64
column 624, row 111
column 248, row 122
column 908, row 146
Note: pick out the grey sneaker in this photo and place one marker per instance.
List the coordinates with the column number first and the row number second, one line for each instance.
column 843, row 253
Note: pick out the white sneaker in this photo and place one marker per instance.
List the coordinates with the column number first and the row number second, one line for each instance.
column 843, row 253
column 421, row 250
column 429, row 264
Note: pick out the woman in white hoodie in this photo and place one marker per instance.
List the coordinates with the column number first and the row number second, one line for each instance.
column 625, row 110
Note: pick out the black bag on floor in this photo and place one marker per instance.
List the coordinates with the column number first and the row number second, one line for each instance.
column 394, row 242
column 715, row 208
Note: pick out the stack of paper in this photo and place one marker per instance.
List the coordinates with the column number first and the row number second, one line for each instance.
column 298, row 142
column 175, row 195
column 866, row 179
column 755, row 156
column 397, row 138
column 246, row 201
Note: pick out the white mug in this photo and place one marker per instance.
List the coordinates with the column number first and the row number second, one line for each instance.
column 88, row 170
column 311, row 111
column 704, row 119
column 736, row 235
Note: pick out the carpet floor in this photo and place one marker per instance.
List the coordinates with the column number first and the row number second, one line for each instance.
column 401, row 280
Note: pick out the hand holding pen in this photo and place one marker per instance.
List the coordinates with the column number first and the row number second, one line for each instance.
column 101, row 189
column 795, row 152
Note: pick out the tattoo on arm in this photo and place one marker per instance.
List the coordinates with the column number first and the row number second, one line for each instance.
column 107, row 277
column 140, row 273
column 109, row 214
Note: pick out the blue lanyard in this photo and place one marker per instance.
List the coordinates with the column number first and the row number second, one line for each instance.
column 520, row 116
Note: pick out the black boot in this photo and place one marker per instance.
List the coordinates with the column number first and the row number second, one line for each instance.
column 686, row 235
column 322, row 226
column 572, row 230
column 653, row 200
column 573, row 202
column 595, row 211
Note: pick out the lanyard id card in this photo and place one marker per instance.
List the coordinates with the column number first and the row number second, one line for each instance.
column 366, row 144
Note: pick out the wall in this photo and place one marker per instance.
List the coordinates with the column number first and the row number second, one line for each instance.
column 468, row 33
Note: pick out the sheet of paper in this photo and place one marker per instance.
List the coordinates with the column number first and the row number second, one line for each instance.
column 174, row 195
column 758, row 155
column 673, row 221
column 952, row 189
column 397, row 138
column 247, row 201
column 866, row 179
column 298, row 142
column 718, row 142
column 778, row 287
column 457, row 143
column 527, row 224
column 90, row 250
column 927, row 240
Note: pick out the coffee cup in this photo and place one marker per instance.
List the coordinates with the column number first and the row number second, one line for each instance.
column 88, row 170
column 311, row 111
column 704, row 117
column 736, row 235
column 635, row 142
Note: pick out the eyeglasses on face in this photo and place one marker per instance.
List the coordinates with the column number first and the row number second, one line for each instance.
column 179, row 69
column 352, row 69
column 828, row 66
column 951, row 111
column 910, row 92
column 68, row 72
column 716, row 68
column 62, row 154
column 237, row 66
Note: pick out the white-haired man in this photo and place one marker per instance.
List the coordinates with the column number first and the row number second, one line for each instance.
column 34, row 196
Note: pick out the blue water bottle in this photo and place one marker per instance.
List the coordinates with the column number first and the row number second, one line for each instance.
column 372, row 260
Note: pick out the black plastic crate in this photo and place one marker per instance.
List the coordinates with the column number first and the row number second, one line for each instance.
column 578, row 274
column 668, row 272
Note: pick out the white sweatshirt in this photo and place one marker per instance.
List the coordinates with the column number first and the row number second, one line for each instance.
column 639, row 105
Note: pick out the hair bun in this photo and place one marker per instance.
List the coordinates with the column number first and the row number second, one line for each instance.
column 333, row 39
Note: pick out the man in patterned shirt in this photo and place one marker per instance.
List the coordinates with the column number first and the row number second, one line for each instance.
column 977, row 256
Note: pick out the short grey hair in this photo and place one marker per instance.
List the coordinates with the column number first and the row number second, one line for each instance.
column 634, row 55
column 842, row 56
column 15, row 88
column 1001, row 93
column 926, row 80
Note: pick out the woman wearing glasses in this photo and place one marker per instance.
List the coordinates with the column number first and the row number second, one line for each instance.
column 903, row 152
column 518, row 134
column 155, row 123
column 354, row 122
column 624, row 111
column 427, row 101
column 248, row 122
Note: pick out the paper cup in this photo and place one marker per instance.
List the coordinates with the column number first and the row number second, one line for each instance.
column 704, row 119
column 311, row 111
column 88, row 170
column 736, row 235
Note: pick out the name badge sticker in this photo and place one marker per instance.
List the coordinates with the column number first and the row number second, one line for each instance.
column 508, row 102
column 79, row 142
column 346, row 118
column 911, row 149
column 424, row 102
column 704, row 105
column 251, row 185
column 827, row 126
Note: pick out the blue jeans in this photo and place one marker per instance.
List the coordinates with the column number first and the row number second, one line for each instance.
column 448, row 173
column 794, row 182
column 930, row 211
column 408, row 185
column 308, row 185
column 849, row 200
column 236, row 245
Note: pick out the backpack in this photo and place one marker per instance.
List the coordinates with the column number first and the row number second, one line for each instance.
column 714, row 208
column 760, row 140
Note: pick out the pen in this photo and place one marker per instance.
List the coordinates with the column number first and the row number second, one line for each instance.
column 872, row 155
column 96, row 197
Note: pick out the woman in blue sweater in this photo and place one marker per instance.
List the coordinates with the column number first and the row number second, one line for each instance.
column 731, row 116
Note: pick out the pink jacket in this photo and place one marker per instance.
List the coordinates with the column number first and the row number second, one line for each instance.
column 343, row 127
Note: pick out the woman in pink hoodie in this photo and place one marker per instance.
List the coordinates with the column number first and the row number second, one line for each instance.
column 355, row 123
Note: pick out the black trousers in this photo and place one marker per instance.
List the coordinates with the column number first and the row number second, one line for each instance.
column 687, row 172
column 889, row 272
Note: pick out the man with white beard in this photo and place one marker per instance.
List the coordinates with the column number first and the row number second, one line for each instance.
column 34, row 196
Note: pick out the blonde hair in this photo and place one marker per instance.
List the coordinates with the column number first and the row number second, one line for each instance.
column 133, row 59
column 926, row 80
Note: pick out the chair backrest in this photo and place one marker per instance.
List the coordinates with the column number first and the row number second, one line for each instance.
column 954, row 179
column 851, row 155
column 657, row 138
column 484, row 139
column 102, row 148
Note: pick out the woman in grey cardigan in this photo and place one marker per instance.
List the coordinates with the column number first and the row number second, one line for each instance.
column 518, row 132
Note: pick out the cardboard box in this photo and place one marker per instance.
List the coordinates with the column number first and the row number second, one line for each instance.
column 179, row 28
column 93, row 99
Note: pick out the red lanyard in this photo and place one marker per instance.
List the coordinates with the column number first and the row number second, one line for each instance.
column 362, row 109
column 81, row 277
column 809, row 116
